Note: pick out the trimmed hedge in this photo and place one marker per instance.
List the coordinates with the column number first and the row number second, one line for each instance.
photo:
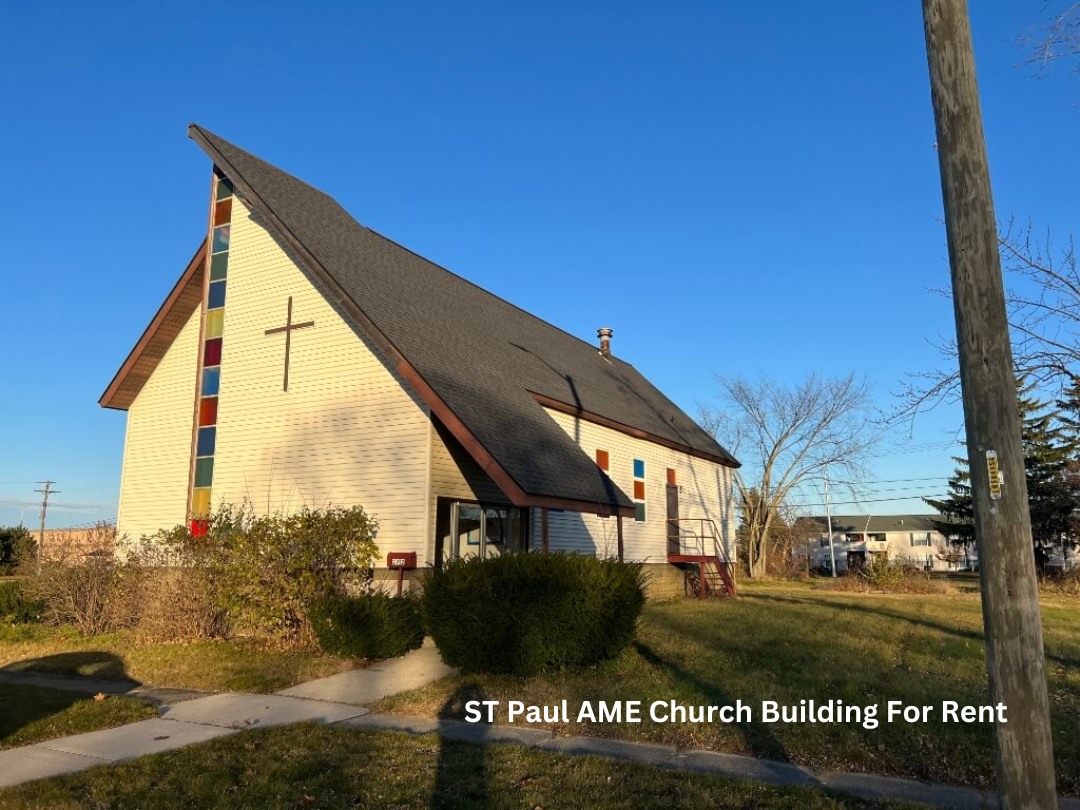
column 524, row 614
column 372, row 625
column 16, row 607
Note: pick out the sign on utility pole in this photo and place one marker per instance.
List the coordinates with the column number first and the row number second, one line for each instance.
column 1010, row 599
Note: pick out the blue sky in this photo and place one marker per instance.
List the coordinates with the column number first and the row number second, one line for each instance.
column 734, row 187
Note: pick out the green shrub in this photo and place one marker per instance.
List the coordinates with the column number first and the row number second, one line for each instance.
column 263, row 572
column 372, row 625
column 524, row 613
column 16, row 607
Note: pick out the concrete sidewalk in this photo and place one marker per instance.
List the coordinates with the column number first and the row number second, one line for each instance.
column 194, row 717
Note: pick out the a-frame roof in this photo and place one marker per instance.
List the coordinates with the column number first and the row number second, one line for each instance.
column 484, row 375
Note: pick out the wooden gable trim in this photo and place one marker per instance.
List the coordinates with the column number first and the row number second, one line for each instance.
column 505, row 482
column 637, row 433
column 184, row 298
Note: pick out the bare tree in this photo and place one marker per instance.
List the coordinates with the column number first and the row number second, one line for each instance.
column 1043, row 297
column 1056, row 39
column 785, row 435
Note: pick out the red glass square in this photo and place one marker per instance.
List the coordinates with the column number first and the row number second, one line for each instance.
column 212, row 352
column 208, row 411
column 639, row 490
column 199, row 527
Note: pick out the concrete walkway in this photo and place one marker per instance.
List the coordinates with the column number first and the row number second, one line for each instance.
column 194, row 717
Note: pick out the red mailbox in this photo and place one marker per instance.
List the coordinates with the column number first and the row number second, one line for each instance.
column 401, row 560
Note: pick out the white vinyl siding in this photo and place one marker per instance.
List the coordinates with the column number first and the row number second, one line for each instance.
column 348, row 431
column 157, row 449
column 704, row 492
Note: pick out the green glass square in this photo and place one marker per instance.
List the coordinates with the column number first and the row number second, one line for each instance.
column 219, row 266
column 639, row 512
column 224, row 188
column 204, row 472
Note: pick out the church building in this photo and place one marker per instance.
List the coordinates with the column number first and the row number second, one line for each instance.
column 305, row 359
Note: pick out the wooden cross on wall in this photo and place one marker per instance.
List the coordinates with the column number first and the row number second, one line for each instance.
column 288, row 330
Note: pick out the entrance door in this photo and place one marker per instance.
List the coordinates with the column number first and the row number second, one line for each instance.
column 673, row 518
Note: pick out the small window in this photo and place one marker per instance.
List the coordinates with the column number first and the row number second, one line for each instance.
column 204, row 472
column 639, row 512
column 221, row 239
column 671, row 478
column 224, row 188
column 200, row 502
column 223, row 212
column 215, row 299
column 208, row 411
column 211, row 381
column 212, row 352
column 219, row 266
column 215, row 323
column 639, row 490
column 639, row 468
column 206, row 441
column 603, row 461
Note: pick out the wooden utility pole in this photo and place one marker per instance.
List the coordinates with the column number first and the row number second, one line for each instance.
column 1010, row 600
column 45, row 493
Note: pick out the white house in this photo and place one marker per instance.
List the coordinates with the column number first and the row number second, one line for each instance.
column 910, row 538
column 302, row 358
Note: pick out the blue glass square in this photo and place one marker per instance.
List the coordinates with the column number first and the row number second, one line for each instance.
column 204, row 446
column 211, row 381
column 221, row 239
column 216, row 297
column 639, row 468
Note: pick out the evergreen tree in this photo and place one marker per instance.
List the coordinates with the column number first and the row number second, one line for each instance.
column 1051, row 443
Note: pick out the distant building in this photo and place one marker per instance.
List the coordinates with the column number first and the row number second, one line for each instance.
column 912, row 538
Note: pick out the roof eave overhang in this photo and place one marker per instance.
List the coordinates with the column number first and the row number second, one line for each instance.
column 637, row 433
column 118, row 394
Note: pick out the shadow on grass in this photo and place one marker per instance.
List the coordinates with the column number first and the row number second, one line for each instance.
column 761, row 741
column 86, row 664
column 460, row 775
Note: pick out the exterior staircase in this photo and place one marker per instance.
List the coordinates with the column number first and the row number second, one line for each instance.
column 695, row 545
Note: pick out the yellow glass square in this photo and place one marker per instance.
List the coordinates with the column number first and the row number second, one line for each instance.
column 200, row 502
column 215, row 323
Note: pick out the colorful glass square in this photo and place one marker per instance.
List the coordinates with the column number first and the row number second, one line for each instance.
column 639, row 490
column 221, row 239
column 206, row 441
column 671, row 477
column 223, row 212
column 204, row 472
column 212, row 352
column 639, row 512
column 211, row 381
column 215, row 298
column 224, row 188
column 208, row 411
column 603, row 461
column 219, row 266
column 200, row 502
column 639, row 468
column 215, row 323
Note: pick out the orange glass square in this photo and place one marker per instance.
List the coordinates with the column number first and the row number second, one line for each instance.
column 639, row 490
column 602, row 460
column 671, row 477
column 223, row 212
column 208, row 411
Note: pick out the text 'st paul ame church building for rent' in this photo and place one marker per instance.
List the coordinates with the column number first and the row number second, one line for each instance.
column 303, row 358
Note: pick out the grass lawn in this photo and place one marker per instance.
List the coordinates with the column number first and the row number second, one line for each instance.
column 791, row 643
column 327, row 767
column 30, row 714
column 205, row 665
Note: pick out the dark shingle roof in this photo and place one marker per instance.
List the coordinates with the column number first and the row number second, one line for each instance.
column 876, row 524
column 483, row 366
